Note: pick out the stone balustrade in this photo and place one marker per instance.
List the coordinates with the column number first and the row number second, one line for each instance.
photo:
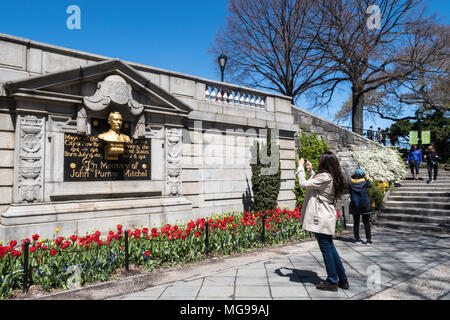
column 233, row 96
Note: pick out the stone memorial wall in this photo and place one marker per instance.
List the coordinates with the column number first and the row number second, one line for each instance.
column 180, row 151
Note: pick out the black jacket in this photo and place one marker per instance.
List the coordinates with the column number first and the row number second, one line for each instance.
column 431, row 158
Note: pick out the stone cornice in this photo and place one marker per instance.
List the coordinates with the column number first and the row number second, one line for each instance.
column 140, row 67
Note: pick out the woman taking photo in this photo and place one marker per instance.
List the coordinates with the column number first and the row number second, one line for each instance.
column 319, row 214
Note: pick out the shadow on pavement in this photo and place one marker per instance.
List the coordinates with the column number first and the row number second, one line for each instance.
column 298, row 275
column 349, row 240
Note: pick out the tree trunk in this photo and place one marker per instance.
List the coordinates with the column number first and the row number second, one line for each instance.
column 357, row 109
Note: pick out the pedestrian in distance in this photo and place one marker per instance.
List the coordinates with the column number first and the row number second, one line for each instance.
column 414, row 160
column 370, row 133
column 319, row 214
column 379, row 136
column 432, row 159
column 383, row 137
column 360, row 204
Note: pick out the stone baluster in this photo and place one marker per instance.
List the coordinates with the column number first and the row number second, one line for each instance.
column 252, row 102
column 236, row 98
column 225, row 96
column 229, row 97
column 242, row 99
column 247, row 100
column 258, row 102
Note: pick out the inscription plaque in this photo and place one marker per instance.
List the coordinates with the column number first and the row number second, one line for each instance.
column 84, row 160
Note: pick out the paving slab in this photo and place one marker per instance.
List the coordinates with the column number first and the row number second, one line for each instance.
column 291, row 291
column 225, row 292
column 134, row 297
column 293, row 298
column 249, row 273
column 252, row 292
column 429, row 285
column 228, row 273
column 177, row 298
column 284, row 283
column 153, row 292
column 218, row 281
column 314, row 293
column 252, row 281
column 179, row 291
column 293, row 275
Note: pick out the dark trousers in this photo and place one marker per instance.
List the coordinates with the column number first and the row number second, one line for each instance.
column 333, row 263
column 366, row 222
column 414, row 166
column 430, row 171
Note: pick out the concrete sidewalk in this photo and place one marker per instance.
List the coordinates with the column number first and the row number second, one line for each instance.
column 400, row 265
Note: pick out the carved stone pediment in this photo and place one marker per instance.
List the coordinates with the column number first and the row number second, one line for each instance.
column 116, row 83
column 113, row 89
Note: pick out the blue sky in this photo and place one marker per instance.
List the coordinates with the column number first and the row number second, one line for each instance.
column 170, row 34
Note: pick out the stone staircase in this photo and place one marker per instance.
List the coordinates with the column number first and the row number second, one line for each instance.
column 416, row 205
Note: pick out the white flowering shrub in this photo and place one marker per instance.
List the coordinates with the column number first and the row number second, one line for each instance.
column 380, row 163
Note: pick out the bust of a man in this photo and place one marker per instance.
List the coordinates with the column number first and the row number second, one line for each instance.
column 114, row 135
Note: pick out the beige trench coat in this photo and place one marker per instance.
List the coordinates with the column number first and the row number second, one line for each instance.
column 318, row 202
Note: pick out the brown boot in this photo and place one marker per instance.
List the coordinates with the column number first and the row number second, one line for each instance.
column 343, row 284
column 327, row 286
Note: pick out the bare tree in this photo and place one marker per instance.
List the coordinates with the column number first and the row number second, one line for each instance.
column 270, row 45
column 372, row 56
column 300, row 46
column 428, row 86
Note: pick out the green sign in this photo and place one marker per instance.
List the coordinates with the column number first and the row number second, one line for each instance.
column 413, row 137
column 426, row 137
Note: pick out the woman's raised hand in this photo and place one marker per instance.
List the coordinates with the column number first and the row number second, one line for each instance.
column 301, row 162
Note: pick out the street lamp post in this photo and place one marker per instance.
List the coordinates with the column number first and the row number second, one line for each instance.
column 419, row 115
column 222, row 63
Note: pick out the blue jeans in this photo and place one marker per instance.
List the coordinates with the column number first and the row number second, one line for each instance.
column 333, row 263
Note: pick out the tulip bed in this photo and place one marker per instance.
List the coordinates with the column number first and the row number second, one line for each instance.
column 60, row 262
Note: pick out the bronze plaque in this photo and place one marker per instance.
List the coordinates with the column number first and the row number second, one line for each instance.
column 84, row 160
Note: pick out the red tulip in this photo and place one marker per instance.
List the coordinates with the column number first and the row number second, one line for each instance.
column 59, row 240
column 65, row 245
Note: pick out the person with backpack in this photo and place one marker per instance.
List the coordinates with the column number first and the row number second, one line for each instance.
column 360, row 204
column 414, row 160
column 432, row 163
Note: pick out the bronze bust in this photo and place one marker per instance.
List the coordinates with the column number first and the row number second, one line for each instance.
column 115, row 140
column 114, row 135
